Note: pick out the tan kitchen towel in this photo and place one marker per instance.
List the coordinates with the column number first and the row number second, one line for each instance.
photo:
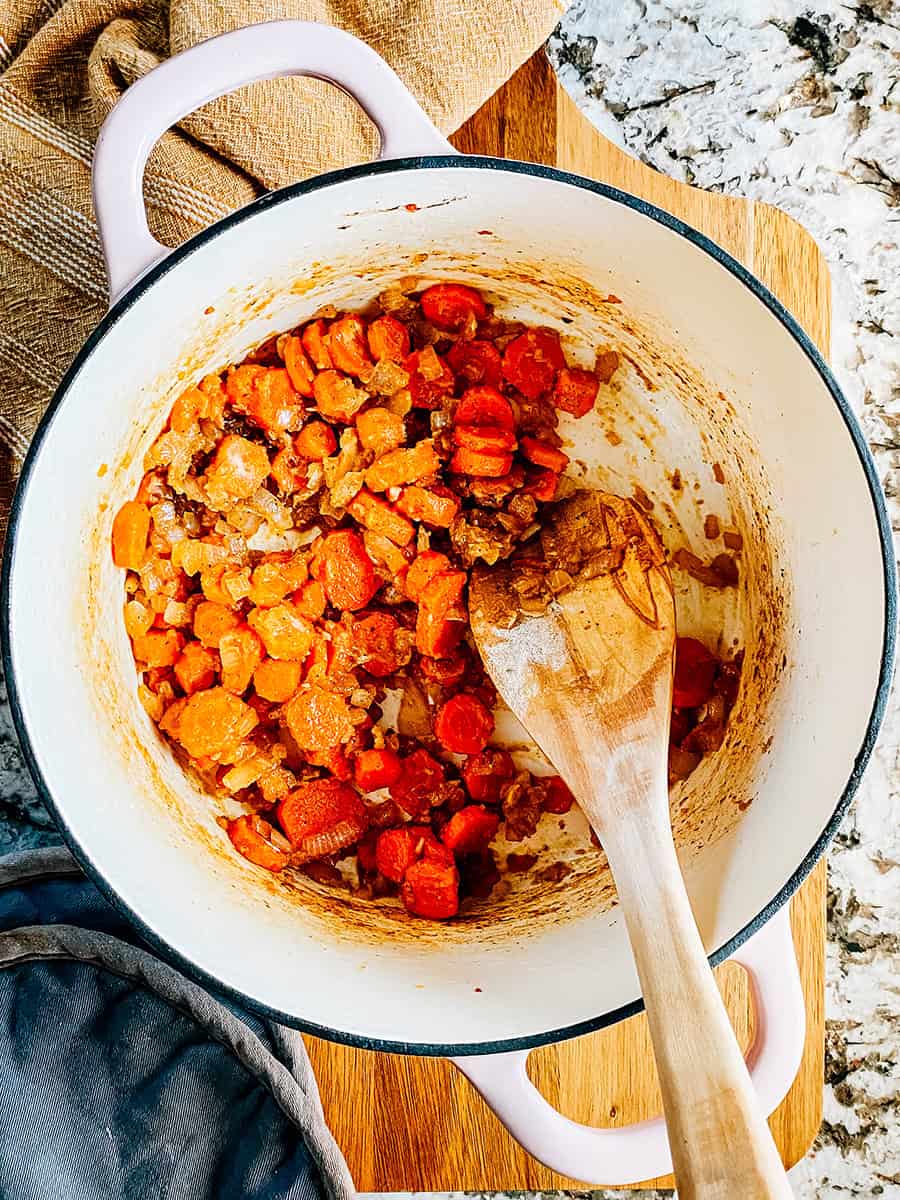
column 63, row 65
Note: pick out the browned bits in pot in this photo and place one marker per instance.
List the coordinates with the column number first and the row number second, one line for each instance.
column 711, row 526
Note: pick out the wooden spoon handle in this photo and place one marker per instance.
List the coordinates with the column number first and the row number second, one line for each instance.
column 721, row 1145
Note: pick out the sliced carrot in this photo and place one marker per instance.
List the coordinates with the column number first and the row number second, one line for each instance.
column 238, row 467
column 541, row 483
column 298, row 366
column 310, row 600
column 482, row 406
column 424, row 568
column 337, row 396
column 431, row 889
column 492, row 491
column 470, row 829
column 334, row 760
column 420, row 777
column 349, row 575
column 484, row 775
column 484, row 438
column 575, row 391
column 347, row 345
column 284, row 632
column 265, row 394
column 196, row 668
column 381, row 648
column 158, row 648
column 427, row 390
column 374, row 769
column 241, row 652
column 318, row 719
column 695, row 670
column 321, row 817
column 476, row 362
column 316, row 346
column 315, row 440
column 289, row 471
column 432, row 506
column 483, row 463
column 186, row 410
column 211, row 621
column 531, row 361
column 388, row 339
column 130, row 531
column 213, row 722
column 543, row 454
column 449, row 305
column 403, row 466
column 215, row 398
column 396, row 850
column 380, row 430
column 442, row 618
column 381, row 517
column 259, row 842
column 274, row 576
column 463, row 725
column 557, row 798
column 277, row 679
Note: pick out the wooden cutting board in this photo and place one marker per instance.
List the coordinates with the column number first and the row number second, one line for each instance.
column 412, row 1124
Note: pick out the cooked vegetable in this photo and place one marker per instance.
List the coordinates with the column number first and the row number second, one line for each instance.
column 463, row 725
column 318, row 719
column 557, row 797
column 695, row 670
column 531, row 361
column 449, row 305
column 388, row 339
column 374, row 769
column 284, row 632
column 349, row 575
column 297, row 553
column 315, row 440
column 277, row 679
column 470, row 829
column 476, row 362
column 575, row 391
column 420, row 777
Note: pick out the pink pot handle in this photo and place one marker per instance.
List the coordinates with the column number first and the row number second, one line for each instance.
column 189, row 80
column 634, row 1153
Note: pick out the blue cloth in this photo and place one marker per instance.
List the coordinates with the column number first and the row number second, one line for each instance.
column 122, row 1080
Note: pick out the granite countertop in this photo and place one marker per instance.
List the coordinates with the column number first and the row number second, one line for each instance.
column 796, row 105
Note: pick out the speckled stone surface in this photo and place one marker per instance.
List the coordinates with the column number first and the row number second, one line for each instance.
column 796, row 105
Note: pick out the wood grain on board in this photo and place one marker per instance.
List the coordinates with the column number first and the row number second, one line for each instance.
column 412, row 1124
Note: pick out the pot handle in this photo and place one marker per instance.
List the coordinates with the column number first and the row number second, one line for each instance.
column 165, row 95
column 634, row 1153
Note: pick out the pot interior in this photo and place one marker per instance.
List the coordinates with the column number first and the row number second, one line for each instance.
column 717, row 410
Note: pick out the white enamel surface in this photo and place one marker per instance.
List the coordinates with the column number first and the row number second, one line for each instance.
column 619, row 1156
column 191, row 79
column 76, row 681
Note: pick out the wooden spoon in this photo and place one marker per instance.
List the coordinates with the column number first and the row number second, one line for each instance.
column 588, row 672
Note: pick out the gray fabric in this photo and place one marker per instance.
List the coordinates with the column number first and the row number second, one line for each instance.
column 122, row 1080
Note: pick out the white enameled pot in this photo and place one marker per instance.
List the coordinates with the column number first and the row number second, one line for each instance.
column 722, row 405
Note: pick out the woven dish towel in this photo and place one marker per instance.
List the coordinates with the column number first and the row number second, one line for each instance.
column 64, row 64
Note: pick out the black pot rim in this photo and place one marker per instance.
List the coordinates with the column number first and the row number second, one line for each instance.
column 708, row 247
